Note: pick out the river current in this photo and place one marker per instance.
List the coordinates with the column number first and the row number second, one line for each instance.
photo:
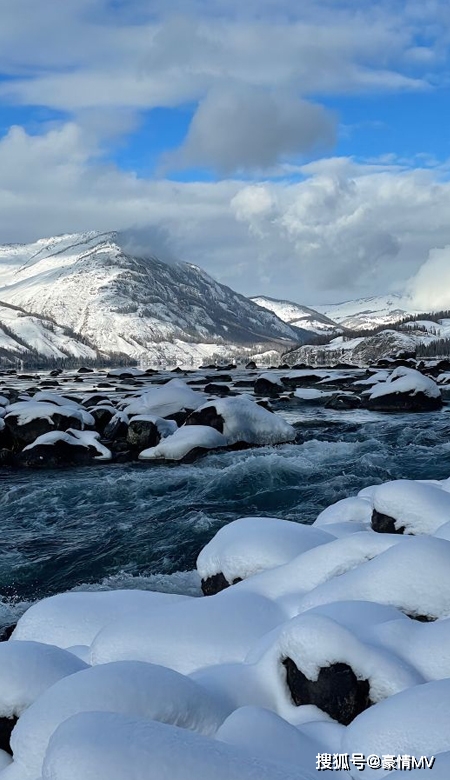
column 140, row 525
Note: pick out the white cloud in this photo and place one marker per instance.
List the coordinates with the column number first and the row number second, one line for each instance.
column 346, row 230
column 430, row 288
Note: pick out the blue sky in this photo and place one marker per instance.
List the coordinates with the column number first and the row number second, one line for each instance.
column 306, row 138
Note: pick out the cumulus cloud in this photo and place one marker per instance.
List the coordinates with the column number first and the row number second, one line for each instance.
column 241, row 129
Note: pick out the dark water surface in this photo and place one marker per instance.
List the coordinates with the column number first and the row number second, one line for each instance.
column 132, row 525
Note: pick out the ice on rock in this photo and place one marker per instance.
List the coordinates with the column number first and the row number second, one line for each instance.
column 27, row 669
column 245, row 421
column 208, row 631
column 413, row 576
column 73, row 619
column 129, row 687
column 416, row 507
column 104, row 746
column 183, row 441
column 415, row 722
column 252, row 544
column 165, row 400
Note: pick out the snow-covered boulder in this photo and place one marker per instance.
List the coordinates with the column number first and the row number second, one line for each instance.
column 409, row 507
column 69, row 448
column 26, row 420
column 186, row 442
column 250, row 545
column 241, row 420
column 406, row 390
column 165, row 401
column 268, row 384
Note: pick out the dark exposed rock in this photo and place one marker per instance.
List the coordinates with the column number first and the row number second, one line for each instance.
column 336, row 691
column 95, row 400
column 115, row 429
column 264, row 386
column 6, row 727
column 251, row 366
column 340, row 401
column 217, row 389
column 84, row 370
column 56, row 372
column 219, row 378
column 7, row 457
column 383, row 524
column 142, row 434
column 102, row 416
column 207, row 416
column 6, row 632
column 180, row 417
column 216, row 583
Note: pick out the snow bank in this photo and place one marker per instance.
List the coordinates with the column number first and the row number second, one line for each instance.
column 253, row 544
column 183, row 441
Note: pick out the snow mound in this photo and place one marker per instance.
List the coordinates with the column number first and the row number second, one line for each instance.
column 27, row 669
column 252, row 544
column 103, row 746
column 130, row 688
column 418, row 508
column 183, row 441
column 74, row 619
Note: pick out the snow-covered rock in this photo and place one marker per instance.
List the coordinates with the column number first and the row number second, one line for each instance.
column 405, row 506
column 406, row 390
column 188, row 440
column 241, row 420
column 250, row 545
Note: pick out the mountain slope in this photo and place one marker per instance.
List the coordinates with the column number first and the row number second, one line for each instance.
column 132, row 305
column 368, row 313
column 23, row 336
column 296, row 315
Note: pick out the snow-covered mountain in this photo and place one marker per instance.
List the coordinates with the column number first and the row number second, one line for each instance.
column 296, row 315
column 135, row 306
column 369, row 313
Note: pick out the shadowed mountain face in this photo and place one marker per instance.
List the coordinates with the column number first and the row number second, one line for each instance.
column 132, row 305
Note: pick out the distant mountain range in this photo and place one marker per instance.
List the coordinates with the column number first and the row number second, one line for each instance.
column 95, row 298
column 85, row 297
